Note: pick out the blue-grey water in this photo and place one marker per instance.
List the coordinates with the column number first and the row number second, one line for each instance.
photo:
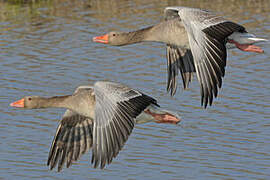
column 46, row 49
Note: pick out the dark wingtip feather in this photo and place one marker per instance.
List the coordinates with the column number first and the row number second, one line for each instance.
column 178, row 60
column 216, row 55
column 222, row 30
column 63, row 144
column 122, row 121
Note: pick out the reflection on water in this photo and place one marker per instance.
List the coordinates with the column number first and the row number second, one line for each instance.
column 46, row 49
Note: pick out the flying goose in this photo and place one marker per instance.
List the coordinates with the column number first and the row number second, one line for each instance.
column 196, row 42
column 99, row 117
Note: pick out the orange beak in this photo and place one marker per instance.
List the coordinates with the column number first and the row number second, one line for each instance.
column 19, row 103
column 102, row 39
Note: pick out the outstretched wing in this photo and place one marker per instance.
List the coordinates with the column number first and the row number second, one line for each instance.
column 73, row 138
column 178, row 58
column 116, row 108
column 207, row 35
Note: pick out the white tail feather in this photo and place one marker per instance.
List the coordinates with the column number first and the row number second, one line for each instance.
column 245, row 38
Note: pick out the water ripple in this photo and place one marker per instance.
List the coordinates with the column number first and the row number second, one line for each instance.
column 46, row 50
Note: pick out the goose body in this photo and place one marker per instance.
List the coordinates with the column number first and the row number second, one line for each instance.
column 99, row 117
column 196, row 43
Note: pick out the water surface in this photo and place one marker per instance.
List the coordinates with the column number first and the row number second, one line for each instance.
column 46, row 49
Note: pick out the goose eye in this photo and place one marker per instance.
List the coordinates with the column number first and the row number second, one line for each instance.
column 114, row 34
column 29, row 99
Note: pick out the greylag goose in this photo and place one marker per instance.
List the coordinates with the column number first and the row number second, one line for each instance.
column 196, row 42
column 100, row 117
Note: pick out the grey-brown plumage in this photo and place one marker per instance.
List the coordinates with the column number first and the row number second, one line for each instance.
column 207, row 35
column 179, row 59
column 117, row 106
column 99, row 117
column 196, row 43
column 72, row 139
column 105, row 130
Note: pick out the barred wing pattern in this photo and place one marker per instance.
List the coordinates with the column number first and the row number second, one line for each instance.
column 179, row 59
column 73, row 138
column 207, row 35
